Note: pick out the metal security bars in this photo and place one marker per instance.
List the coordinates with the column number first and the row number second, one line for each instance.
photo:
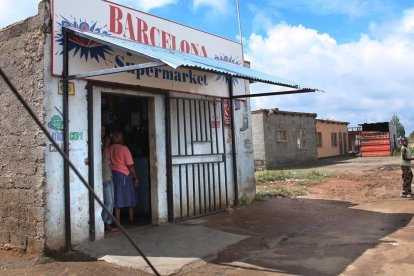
column 199, row 170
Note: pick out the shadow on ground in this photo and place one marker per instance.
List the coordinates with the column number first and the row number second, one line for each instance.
column 293, row 236
column 303, row 236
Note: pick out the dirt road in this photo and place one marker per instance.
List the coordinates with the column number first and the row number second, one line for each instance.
column 354, row 224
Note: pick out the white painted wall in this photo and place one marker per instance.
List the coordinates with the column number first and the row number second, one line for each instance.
column 246, row 180
column 78, row 151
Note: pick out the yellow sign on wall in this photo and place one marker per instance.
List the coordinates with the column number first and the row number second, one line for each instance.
column 71, row 87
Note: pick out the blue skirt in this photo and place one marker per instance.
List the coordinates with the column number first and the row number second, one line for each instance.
column 124, row 190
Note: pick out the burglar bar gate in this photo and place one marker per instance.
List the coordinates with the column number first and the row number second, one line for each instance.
column 199, row 171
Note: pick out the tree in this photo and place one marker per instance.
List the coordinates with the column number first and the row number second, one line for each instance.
column 400, row 127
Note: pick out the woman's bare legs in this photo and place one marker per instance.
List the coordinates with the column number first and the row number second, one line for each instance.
column 118, row 214
column 131, row 213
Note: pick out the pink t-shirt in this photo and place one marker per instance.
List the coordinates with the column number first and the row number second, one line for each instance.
column 120, row 158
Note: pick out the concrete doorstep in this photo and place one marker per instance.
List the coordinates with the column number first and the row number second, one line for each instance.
column 171, row 248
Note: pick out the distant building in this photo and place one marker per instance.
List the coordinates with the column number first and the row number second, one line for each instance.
column 332, row 138
column 282, row 137
column 354, row 139
column 378, row 139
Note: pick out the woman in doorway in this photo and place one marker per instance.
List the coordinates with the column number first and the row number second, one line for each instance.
column 124, row 176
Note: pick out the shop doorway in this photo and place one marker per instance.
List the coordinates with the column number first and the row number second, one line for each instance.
column 129, row 114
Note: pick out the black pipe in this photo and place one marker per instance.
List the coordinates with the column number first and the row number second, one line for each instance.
column 170, row 197
column 192, row 151
column 66, row 176
column 91, row 163
column 74, row 169
column 233, row 141
column 299, row 91
column 225, row 160
column 179, row 152
column 186, row 153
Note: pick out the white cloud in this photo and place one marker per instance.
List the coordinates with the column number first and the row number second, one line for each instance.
column 365, row 81
column 146, row 5
column 10, row 13
column 221, row 6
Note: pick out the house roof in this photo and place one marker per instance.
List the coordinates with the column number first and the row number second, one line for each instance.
column 332, row 122
column 281, row 112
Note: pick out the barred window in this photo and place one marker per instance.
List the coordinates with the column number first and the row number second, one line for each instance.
column 319, row 139
column 281, row 135
column 301, row 139
column 334, row 140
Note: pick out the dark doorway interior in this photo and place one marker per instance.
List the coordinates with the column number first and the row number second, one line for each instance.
column 130, row 115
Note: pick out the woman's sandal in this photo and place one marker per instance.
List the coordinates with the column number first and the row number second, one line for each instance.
column 110, row 229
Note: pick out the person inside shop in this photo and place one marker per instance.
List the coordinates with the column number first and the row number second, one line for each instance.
column 107, row 184
column 407, row 174
column 124, row 176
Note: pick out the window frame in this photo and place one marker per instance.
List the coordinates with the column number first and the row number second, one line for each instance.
column 334, row 139
column 285, row 134
column 319, row 139
column 301, row 139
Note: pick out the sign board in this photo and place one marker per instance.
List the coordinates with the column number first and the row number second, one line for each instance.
column 71, row 88
column 115, row 20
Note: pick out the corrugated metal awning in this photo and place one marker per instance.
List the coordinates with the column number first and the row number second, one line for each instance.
column 176, row 59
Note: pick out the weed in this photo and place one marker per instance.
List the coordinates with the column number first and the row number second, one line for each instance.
column 260, row 197
column 46, row 260
column 287, row 183
column 244, row 201
column 303, row 177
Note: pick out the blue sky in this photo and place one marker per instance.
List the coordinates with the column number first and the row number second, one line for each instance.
column 360, row 52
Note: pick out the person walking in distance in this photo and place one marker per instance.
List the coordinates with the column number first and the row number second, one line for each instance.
column 407, row 174
column 124, row 176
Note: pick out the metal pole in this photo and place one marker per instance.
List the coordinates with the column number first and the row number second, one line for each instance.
column 74, row 169
column 66, row 176
column 240, row 28
column 169, row 158
column 91, row 163
column 233, row 141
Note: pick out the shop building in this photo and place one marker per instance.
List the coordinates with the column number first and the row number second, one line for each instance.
column 180, row 96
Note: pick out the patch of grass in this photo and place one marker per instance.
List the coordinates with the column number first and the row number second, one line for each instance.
column 260, row 197
column 46, row 260
column 280, row 191
column 244, row 201
column 304, row 177
column 287, row 183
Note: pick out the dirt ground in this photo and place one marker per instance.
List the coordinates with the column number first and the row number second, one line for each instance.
column 353, row 224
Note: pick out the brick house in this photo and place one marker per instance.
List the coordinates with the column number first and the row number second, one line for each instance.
column 282, row 138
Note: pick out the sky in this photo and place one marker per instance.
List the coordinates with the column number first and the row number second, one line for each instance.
column 360, row 53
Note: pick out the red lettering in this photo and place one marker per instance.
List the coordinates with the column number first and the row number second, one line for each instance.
column 115, row 15
column 129, row 27
column 165, row 38
column 185, row 47
column 142, row 36
column 152, row 35
column 204, row 51
column 194, row 48
column 173, row 42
